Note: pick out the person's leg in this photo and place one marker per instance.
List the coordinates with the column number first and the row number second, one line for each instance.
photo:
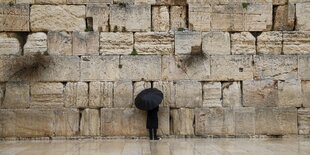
column 155, row 135
column 151, row 134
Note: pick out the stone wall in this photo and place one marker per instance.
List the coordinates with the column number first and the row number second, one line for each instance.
column 227, row 68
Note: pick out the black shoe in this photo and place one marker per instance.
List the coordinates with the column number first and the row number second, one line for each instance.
column 157, row 138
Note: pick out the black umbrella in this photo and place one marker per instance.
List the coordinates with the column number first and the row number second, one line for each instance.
column 149, row 99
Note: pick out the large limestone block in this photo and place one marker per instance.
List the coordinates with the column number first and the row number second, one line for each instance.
column 305, row 88
column 275, row 121
column 243, row 43
column 130, row 17
column 140, row 67
column 90, row 122
column 304, row 121
column 59, row 43
column 99, row 15
column 36, row 43
column 258, row 17
column 214, row 121
column 50, row 1
column 178, row 17
column 57, row 18
column 14, row 17
column 188, row 94
column 140, row 86
column 296, row 42
column 260, row 93
column 116, row 43
column 168, row 89
column 16, row 95
column 89, row 1
column 123, row 94
column 277, row 67
column 9, row 45
column 290, row 94
column 304, row 67
column 188, row 43
column 101, row 94
column 298, row 1
column 270, row 43
column 85, row 43
column 154, row 43
column 231, row 94
column 76, row 94
column 47, row 94
column 199, row 17
column 131, row 122
column 7, row 1
column 182, row 121
column 216, row 43
column 160, row 18
column 168, row 2
column 231, row 67
column 279, row 2
column 284, row 18
column 104, row 68
column 245, row 121
column 67, row 122
column 212, row 94
column 302, row 16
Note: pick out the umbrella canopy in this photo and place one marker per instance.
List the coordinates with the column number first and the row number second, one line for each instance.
column 148, row 99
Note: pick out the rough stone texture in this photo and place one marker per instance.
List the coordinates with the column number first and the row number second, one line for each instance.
column 59, row 43
column 47, row 94
column 279, row 2
column 89, row 1
column 50, row 1
column 199, row 17
column 304, row 67
column 296, row 42
column 245, row 121
column 178, row 17
column 160, row 18
column 66, row 122
column 154, row 43
column 57, row 18
column 214, row 43
column 130, row 17
column 123, row 94
column 16, row 95
column 290, row 94
column 182, row 121
column 140, row 67
column 14, row 18
column 212, row 94
column 243, row 43
column 304, row 121
column 277, row 67
column 101, row 94
column 305, row 88
column 269, row 43
column 275, row 121
column 85, row 43
column 131, row 122
column 258, row 17
column 24, row 1
column 100, row 16
column 231, row 67
column 104, row 68
column 231, row 94
column 116, row 43
column 298, row 1
column 76, row 94
column 302, row 16
column 214, row 121
column 187, row 43
column 168, row 89
column 2, row 93
column 36, row 43
column 139, row 86
column 284, row 18
column 188, row 94
column 90, row 122
column 9, row 45
column 262, row 93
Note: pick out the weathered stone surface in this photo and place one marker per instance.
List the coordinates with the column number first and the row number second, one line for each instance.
column 160, row 18
column 212, row 94
column 9, row 45
column 15, row 17
column 304, row 121
column 277, row 67
column 199, row 17
column 89, row 1
column 214, row 121
column 305, row 88
column 298, row 1
column 258, row 17
column 123, row 122
column 16, row 95
column 178, row 17
column 85, row 43
column 154, row 43
column 116, row 43
column 284, row 17
column 304, row 67
column 231, row 67
column 59, row 43
column 100, row 16
column 90, row 122
column 188, row 94
column 123, row 94
column 139, row 86
column 275, row 121
column 36, row 43
column 76, row 94
column 296, row 42
column 57, row 18
column 24, row 1
column 269, row 43
column 104, row 68
column 231, row 94
column 187, row 42
column 140, row 67
column 182, row 121
column 50, row 1
column 66, row 122
column 302, row 16
column 279, row 2
column 290, row 94
column 169, row 2
column 168, row 89
column 47, row 94
column 130, row 17
column 101, row 94
column 214, row 43
column 245, row 121
column 2, row 91
column 262, row 93
column 7, row 1
column 243, row 43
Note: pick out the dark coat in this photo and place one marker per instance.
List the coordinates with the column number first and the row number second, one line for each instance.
column 152, row 119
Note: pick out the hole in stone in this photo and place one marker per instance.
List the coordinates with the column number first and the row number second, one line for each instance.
column 120, row 66
column 89, row 24
column 240, row 69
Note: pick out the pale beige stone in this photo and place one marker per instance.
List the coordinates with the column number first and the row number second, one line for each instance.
column 25, row 1
column 188, row 94
column 7, row 1
column 243, row 43
column 2, row 91
column 116, row 43
column 199, row 17
column 101, row 94
column 305, row 88
column 89, row 1
column 212, row 94
column 178, row 17
column 298, row 1
column 188, row 42
column 258, row 17
column 9, row 45
column 168, row 89
column 90, row 122
column 279, row 2
column 160, row 18
column 304, row 67
column 67, row 122
column 140, row 86
column 85, row 43
column 304, row 121
column 16, row 95
column 76, row 94
column 14, row 18
column 170, row 2
column 231, row 94
column 290, row 94
column 57, row 18
column 302, row 16
column 214, row 43
column 296, row 42
column 123, row 94
column 59, row 43
column 270, row 43
column 154, row 43
column 36, row 43
column 182, row 121
column 50, row 1
column 47, row 94
column 262, row 93
column 284, row 18
column 201, row 2
column 245, row 121
column 100, row 16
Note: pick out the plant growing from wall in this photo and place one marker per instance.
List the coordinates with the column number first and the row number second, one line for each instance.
column 245, row 5
column 134, row 52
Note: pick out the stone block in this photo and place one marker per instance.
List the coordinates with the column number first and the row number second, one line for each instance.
column 188, row 94
column 216, row 43
column 290, row 94
column 243, row 43
column 275, row 121
column 178, row 17
column 15, row 17
column 85, row 43
column 276, row 67
column 168, row 89
column 296, row 42
column 298, row 1
column 67, row 122
column 262, row 93
column 279, row 2
column 231, row 94
column 305, row 89
column 57, row 2
column 7, row 1
column 76, row 94
column 101, row 94
column 270, row 43
column 16, row 95
column 258, row 17
column 304, row 67
column 182, row 121
column 154, row 43
column 160, row 18
column 9, row 45
column 188, row 43
column 36, row 43
column 89, row 1
column 245, row 121
column 304, row 121
column 90, row 122
column 170, row 2
column 99, row 68
column 123, row 94
column 57, row 18
column 2, row 92
column 47, row 94
column 199, row 17
column 302, row 16
column 140, row 86
column 130, row 18
column 212, row 94
column 24, row 1
column 284, row 18
column 99, row 15
column 59, row 43
column 116, row 43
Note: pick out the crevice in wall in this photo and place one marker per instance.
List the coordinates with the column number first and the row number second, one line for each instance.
column 22, row 39
column 89, row 24
column 274, row 12
column 295, row 18
column 88, row 92
column 241, row 95
column 256, row 34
